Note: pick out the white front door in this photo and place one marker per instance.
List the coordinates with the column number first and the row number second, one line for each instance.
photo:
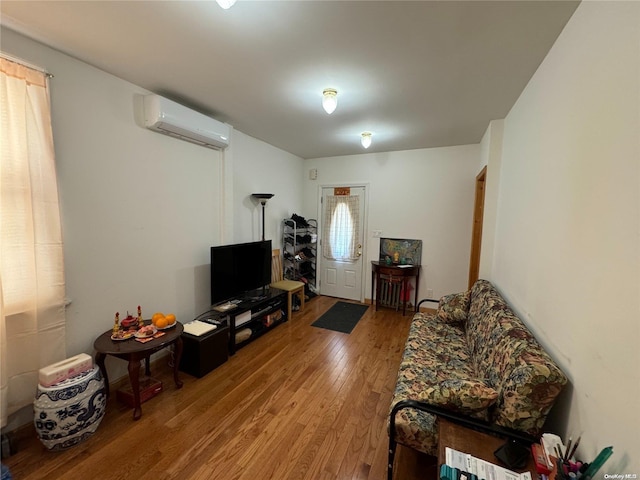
column 341, row 242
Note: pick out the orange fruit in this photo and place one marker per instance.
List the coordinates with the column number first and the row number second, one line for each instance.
column 162, row 322
column 156, row 316
column 171, row 319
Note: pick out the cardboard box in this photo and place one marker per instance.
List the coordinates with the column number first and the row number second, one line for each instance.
column 149, row 388
column 272, row 318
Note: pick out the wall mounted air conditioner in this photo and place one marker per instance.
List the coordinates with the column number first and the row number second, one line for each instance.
column 168, row 117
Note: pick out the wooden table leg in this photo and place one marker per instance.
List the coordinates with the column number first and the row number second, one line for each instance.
column 100, row 357
column 147, row 365
column 134, row 378
column 415, row 299
column 373, row 291
column 176, row 362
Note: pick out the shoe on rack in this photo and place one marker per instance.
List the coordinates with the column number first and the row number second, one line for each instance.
column 300, row 221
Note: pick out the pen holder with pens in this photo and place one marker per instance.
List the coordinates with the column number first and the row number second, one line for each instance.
column 568, row 470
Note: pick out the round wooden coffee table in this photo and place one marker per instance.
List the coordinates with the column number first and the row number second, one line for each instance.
column 134, row 351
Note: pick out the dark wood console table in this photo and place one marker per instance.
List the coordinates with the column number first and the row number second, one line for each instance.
column 402, row 272
column 134, row 352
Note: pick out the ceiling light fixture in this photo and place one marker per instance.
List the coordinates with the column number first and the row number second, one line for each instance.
column 365, row 139
column 226, row 4
column 329, row 100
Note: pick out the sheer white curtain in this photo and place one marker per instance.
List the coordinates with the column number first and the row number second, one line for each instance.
column 341, row 227
column 32, row 288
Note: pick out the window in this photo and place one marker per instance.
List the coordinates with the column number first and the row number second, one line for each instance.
column 340, row 238
column 32, row 287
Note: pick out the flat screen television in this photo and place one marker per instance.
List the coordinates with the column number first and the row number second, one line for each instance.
column 237, row 270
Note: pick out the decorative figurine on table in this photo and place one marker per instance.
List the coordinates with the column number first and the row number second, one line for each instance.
column 116, row 324
column 140, row 321
column 129, row 323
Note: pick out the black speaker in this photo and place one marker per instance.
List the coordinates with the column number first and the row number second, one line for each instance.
column 201, row 354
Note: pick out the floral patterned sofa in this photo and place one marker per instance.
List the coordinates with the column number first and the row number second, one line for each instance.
column 476, row 358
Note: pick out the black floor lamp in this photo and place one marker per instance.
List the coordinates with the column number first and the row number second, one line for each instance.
column 262, row 198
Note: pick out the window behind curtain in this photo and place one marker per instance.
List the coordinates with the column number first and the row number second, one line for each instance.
column 32, row 286
column 340, row 234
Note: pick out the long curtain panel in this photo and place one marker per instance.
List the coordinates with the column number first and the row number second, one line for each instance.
column 341, row 227
column 32, row 286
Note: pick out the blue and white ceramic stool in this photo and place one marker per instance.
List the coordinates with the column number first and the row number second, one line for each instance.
column 69, row 412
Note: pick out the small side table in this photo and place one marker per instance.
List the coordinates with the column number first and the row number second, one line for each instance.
column 402, row 273
column 134, row 352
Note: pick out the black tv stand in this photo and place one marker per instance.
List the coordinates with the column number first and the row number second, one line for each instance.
column 259, row 313
column 255, row 299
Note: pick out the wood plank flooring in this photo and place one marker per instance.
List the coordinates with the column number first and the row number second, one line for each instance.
column 298, row 403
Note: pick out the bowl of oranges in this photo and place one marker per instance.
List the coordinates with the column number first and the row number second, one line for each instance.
column 162, row 321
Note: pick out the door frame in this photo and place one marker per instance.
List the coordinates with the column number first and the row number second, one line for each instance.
column 365, row 229
column 476, row 235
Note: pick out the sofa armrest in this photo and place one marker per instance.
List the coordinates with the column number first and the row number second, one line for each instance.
column 458, row 418
column 529, row 392
column 426, row 300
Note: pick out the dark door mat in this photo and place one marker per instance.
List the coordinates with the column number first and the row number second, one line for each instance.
column 342, row 317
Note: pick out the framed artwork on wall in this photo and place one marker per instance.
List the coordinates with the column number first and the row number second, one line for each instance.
column 401, row 251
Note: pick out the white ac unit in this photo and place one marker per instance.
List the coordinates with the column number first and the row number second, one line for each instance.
column 168, row 117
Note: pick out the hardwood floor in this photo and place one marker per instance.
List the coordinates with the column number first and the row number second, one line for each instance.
column 298, row 403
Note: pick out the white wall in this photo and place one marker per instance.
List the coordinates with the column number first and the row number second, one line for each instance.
column 567, row 246
column 261, row 168
column 422, row 194
column 140, row 210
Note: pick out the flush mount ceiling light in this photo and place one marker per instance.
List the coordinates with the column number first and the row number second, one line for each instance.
column 365, row 139
column 226, row 4
column 329, row 100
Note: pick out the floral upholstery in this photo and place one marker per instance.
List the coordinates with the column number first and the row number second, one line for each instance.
column 455, row 307
column 475, row 357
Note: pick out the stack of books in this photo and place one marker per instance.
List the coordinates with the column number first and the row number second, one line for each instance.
column 462, row 466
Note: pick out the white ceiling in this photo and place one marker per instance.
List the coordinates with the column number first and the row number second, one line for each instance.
column 415, row 73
